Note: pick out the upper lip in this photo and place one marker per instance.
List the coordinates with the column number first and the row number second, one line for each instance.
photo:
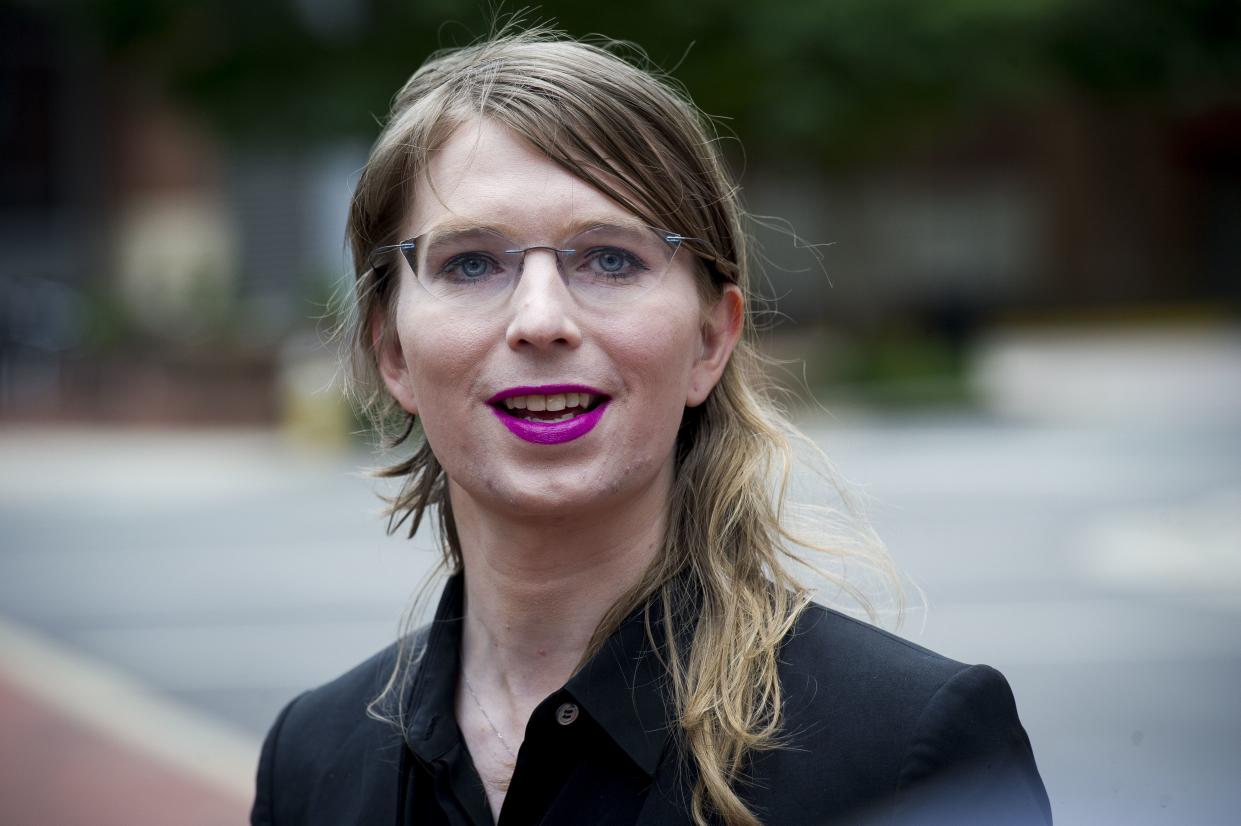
column 543, row 390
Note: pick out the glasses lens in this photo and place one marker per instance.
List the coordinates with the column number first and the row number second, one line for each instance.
column 601, row 266
column 615, row 265
column 466, row 266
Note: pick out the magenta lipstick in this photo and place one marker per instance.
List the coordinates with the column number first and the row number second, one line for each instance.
column 537, row 431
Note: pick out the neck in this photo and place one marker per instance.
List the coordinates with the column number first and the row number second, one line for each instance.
column 536, row 589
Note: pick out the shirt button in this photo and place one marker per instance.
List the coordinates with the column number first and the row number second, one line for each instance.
column 566, row 714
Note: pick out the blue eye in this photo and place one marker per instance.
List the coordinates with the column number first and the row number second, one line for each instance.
column 611, row 261
column 474, row 267
column 468, row 266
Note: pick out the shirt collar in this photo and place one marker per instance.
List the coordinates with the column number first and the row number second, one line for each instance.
column 626, row 690
column 624, row 687
column 431, row 722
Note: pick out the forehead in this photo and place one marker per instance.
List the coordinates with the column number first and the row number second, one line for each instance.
column 485, row 172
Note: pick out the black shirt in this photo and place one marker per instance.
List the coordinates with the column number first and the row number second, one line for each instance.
column 590, row 749
column 877, row 730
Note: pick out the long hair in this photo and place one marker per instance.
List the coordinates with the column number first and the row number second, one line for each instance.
column 731, row 544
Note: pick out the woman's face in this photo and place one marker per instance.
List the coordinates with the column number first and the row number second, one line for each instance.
column 631, row 369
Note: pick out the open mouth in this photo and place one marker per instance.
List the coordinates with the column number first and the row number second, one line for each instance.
column 550, row 408
column 550, row 414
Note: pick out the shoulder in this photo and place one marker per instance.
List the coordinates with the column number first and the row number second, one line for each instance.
column 828, row 644
column 325, row 749
column 893, row 726
column 333, row 712
column 863, row 687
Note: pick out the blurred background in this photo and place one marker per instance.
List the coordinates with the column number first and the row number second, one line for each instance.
column 1003, row 252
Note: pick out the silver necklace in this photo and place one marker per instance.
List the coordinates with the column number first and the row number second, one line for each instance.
column 487, row 716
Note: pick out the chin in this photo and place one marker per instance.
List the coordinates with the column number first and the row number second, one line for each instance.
column 559, row 494
column 558, row 499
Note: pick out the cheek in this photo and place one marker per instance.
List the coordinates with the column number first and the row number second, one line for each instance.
column 657, row 356
column 440, row 355
column 657, row 365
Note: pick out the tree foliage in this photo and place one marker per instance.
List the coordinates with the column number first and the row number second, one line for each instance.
column 818, row 77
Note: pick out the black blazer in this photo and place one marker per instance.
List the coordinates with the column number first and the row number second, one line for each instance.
column 877, row 730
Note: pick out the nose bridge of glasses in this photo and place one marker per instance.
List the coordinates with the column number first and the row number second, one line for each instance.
column 541, row 298
column 557, row 253
column 553, row 255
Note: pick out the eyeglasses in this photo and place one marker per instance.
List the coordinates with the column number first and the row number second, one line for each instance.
column 477, row 267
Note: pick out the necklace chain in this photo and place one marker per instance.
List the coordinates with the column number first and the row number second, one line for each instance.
column 473, row 696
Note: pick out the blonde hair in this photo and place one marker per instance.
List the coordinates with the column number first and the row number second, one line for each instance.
column 728, row 548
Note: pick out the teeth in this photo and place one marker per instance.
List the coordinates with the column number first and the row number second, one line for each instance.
column 554, row 402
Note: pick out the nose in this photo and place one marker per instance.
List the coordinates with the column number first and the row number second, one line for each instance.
column 543, row 310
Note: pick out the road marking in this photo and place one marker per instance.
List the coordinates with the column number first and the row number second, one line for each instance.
column 1191, row 547
column 115, row 704
column 1085, row 631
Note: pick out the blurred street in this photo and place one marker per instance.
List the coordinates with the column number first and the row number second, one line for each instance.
column 999, row 240
column 1098, row 566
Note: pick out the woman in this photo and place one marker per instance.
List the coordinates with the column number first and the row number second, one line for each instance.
column 551, row 293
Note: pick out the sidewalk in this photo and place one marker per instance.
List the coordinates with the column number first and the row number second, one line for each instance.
column 1178, row 376
column 63, row 762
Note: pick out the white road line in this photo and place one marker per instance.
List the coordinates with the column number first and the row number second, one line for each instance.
column 1103, row 631
column 1185, row 547
column 116, row 705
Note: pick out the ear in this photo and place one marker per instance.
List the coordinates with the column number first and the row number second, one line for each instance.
column 721, row 329
column 390, row 359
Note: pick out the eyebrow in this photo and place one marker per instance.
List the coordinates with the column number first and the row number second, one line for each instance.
column 458, row 228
